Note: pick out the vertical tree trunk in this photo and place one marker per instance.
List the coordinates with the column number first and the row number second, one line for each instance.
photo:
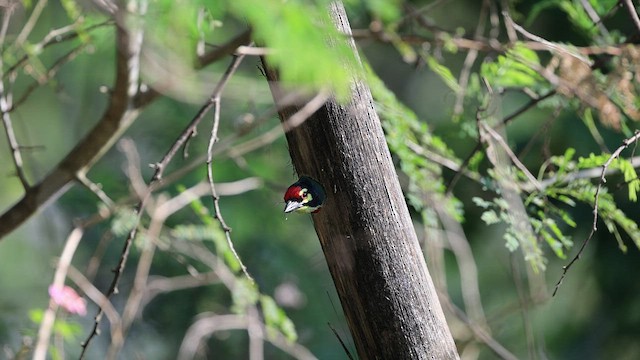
column 365, row 230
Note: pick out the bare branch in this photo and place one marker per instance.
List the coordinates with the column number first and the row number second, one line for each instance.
column 594, row 17
column 204, row 327
column 5, row 105
column 94, row 294
column 56, row 36
column 631, row 9
column 469, row 60
column 479, row 333
column 122, row 110
column 33, row 19
column 156, row 180
column 220, row 52
column 193, row 125
column 51, row 73
column 505, row 121
column 294, row 121
column 117, row 117
column 486, row 129
column 213, row 138
column 132, row 305
column 96, row 189
column 158, row 284
column 587, row 174
column 509, row 25
column 551, row 46
column 13, row 141
column 44, row 332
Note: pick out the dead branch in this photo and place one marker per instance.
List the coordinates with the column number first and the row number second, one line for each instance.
column 123, row 109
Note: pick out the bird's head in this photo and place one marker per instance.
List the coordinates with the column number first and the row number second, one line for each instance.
column 305, row 196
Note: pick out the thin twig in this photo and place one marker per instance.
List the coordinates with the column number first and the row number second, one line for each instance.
column 467, row 267
column 625, row 144
column 156, row 180
column 509, row 25
column 55, row 36
column 28, row 26
column 344, row 346
column 16, row 155
column 95, row 295
column 507, row 150
column 96, row 189
column 216, row 199
column 159, row 284
column 44, row 333
column 547, row 43
column 586, row 174
column 128, row 45
column 205, row 326
column 48, row 76
column 132, row 305
column 504, row 122
column 292, row 122
column 5, row 105
column 478, row 332
column 123, row 109
column 469, row 60
column 628, row 4
column 597, row 21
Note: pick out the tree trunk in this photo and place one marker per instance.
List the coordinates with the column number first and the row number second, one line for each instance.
column 365, row 229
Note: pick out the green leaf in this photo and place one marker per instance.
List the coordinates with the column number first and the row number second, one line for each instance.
column 490, row 217
column 124, row 220
column 481, row 202
column 511, row 241
column 245, row 293
column 513, row 69
column 36, row 315
column 276, row 319
column 303, row 42
column 387, row 10
column 444, row 73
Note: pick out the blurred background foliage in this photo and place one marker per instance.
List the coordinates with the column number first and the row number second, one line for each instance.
column 415, row 53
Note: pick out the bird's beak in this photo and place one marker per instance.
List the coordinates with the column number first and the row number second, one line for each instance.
column 292, row 206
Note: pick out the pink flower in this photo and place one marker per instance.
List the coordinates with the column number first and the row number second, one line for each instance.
column 68, row 299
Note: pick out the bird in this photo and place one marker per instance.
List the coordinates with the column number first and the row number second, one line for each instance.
column 304, row 196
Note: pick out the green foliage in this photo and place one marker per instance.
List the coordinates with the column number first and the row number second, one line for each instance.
column 210, row 231
column 387, row 10
column 276, row 319
column 68, row 330
column 569, row 191
column 624, row 166
column 416, row 148
column 498, row 211
column 514, row 69
column 444, row 73
column 245, row 292
column 72, row 9
column 296, row 34
column 123, row 221
column 546, row 210
column 575, row 11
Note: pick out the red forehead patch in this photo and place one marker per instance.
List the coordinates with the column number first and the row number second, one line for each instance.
column 293, row 192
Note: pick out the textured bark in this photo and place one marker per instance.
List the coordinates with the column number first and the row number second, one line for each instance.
column 365, row 229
